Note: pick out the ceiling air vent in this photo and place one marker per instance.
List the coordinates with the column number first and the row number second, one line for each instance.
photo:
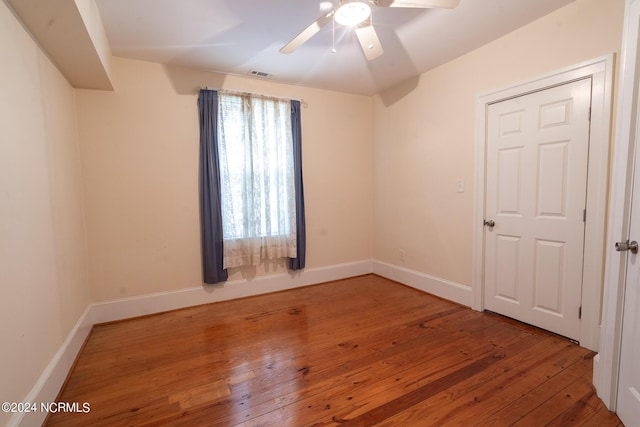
column 259, row 73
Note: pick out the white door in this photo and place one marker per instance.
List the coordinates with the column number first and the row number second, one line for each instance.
column 629, row 376
column 536, row 180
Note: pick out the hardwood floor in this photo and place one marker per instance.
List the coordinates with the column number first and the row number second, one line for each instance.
column 359, row 352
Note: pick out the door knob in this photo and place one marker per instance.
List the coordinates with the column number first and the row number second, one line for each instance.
column 627, row 246
column 489, row 223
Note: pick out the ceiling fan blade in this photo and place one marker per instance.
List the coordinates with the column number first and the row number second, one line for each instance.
column 420, row 4
column 307, row 33
column 369, row 41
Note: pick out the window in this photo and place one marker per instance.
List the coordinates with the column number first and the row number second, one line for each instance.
column 257, row 187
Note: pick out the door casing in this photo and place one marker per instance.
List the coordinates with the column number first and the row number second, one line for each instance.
column 606, row 364
column 601, row 72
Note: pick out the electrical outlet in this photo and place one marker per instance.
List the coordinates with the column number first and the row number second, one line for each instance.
column 460, row 186
column 401, row 254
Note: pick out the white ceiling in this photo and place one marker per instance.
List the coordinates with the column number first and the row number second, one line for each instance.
column 237, row 36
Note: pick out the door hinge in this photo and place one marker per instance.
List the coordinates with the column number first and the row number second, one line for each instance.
column 580, row 312
column 589, row 114
column 584, row 215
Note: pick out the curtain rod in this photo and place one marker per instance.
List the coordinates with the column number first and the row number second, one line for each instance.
column 237, row 92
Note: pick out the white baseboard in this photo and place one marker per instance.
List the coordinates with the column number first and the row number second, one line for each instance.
column 110, row 311
column 606, row 389
column 595, row 380
column 442, row 288
column 54, row 375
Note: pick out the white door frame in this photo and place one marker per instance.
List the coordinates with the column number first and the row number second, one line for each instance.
column 601, row 72
column 606, row 365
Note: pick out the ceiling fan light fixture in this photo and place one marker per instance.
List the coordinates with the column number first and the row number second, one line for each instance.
column 326, row 6
column 352, row 13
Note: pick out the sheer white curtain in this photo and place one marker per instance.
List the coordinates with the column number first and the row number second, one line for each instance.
column 257, row 179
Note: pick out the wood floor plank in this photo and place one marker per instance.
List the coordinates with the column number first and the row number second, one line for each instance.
column 517, row 379
column 601, row 417
column 550, row 384
column 362, row 351
column 397, row 362
column 355, row 374
column 433, row 388
column 469, row 401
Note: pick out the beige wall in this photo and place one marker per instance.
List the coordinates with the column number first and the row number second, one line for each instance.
column 140, row 163
column 43, row 270
column 424, row 134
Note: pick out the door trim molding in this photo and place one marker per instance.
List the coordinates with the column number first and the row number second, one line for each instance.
column 606, row 367
column 601, row 72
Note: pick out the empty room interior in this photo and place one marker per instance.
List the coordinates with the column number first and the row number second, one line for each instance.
column 453, row 195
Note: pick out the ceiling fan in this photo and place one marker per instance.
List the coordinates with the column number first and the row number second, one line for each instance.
column 357, row 14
